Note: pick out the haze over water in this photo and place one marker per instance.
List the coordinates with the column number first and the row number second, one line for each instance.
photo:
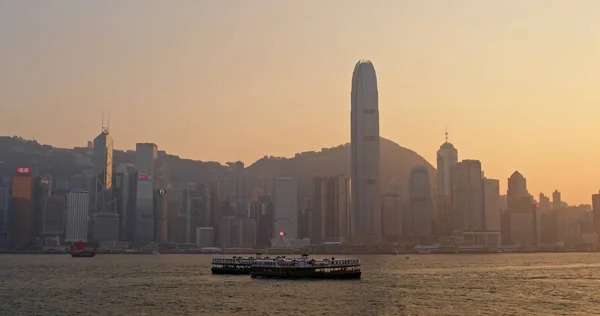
column 498, row 284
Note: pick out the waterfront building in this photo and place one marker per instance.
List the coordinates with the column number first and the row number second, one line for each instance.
column 78, row 202
column 285, row 206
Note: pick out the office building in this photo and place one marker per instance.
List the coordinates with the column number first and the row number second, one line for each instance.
column 204, row 237
column 126, row 180
column 331, row 211
column 22, row 204
column 105, row 220
column 391, row 217
column 364, row 158
column 4, row 215
column 596, row 212
column 492, row 208
column 443, row 219
column 161, row 205
column 420, row 205
column 53, row 217
column 521, row 224
column 285, row 206
column 447, row 158
column 264, row 221
column 78, row 202
column 468, row 215
column 198, row 209
column 243, row 233
column 147, row 155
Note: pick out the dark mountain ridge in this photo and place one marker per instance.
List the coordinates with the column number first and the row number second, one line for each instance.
column 396, row 164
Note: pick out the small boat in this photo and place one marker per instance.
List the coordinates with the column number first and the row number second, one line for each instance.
column 79, row 250
column 234, row 265
column 304, row 268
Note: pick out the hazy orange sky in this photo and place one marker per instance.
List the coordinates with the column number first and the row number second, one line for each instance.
column 516, row 82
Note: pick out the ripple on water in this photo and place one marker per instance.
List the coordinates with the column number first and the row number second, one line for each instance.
column 499, row 284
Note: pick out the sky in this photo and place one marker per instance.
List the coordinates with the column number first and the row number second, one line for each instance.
column 515, row 82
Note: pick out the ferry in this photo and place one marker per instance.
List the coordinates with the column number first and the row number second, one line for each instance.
column 80, row 250
column 305, row 268
column 234, row 265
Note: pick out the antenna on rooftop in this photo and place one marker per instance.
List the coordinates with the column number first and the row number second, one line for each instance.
column 105, row 128
column 446, row 134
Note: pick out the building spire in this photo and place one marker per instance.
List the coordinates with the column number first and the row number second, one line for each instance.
column 446, row 134
column 105, row 128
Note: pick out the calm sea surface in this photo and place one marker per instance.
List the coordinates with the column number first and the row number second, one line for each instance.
column 499, row 284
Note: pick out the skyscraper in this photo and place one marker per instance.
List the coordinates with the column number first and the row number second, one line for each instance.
column 517, row 189
column 447, row 157
column 105, row 220
column 521, row 225
column 160, row 216
column 492, row 205
column 467, row 212
column 22, row 221
column 492, row 211
column 331, row 209
column 366, row 219
column 147, row 155
column 420, row 214
column 4, row 215
column 125, row 182
column 285, row 206
column 596, row 212
column 391, row 217
column 77, row 215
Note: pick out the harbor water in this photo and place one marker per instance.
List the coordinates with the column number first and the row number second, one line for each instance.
column 494, row 284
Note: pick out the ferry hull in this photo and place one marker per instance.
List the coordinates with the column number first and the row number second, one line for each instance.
column 82, row 254
column 233, row 271
column 306, row 274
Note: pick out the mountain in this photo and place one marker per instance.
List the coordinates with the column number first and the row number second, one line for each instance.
column 396, row 163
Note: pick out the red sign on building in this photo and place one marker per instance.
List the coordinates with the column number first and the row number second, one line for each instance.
column 23, row 170
column 144, row 177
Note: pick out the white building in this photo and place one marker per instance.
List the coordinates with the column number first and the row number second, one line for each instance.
column 364, row 157
column 77, row 215
column 285, row 206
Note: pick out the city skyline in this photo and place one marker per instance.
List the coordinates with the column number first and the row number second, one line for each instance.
column 488, row 71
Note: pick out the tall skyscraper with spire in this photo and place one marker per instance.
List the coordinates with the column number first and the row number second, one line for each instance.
column 364, row 115
column 447, row 157
column 105, row 220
